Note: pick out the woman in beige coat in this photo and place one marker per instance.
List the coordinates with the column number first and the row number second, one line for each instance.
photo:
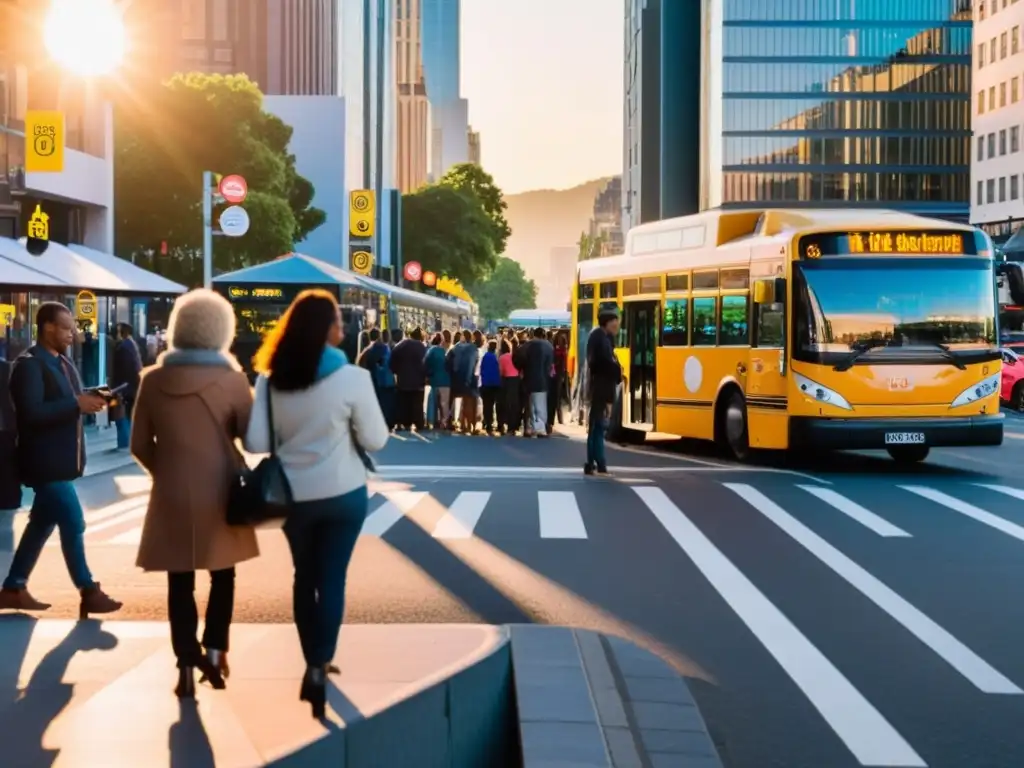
column 191, row 407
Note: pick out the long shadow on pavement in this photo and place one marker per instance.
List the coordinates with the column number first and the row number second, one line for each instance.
column 187, row 740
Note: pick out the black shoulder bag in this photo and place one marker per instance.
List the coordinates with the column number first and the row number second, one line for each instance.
column 262, row 494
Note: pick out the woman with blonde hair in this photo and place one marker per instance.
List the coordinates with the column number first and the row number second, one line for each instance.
column 191, row 407
column 319, row 415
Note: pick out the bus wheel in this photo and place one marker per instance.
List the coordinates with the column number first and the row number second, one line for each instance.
column 734, row 426
column 908, row 454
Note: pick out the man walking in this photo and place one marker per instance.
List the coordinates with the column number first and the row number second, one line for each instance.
column 49, row 404
column 604, row 373
column 540, row 363
column 127, row 367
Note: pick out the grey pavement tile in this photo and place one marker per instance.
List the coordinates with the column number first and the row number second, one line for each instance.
column 579, row 742
column 697, row 743
column 667, row 717
column 595, row 660
column 538, row 674
column 666, row 690
column 549, row 703
column 668, row 760
column 543, row 645
column 623, row 748
column 610, row 709
column 643, row 665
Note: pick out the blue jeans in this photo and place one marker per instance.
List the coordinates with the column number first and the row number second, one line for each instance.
column 124, row 431
column 322, row 535
column 597, row 425
column 56, row 505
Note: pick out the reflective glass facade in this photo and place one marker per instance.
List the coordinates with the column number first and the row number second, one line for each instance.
column 441, row 49
column 846, row 102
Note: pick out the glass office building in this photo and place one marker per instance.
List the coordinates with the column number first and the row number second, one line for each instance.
column 845, row 102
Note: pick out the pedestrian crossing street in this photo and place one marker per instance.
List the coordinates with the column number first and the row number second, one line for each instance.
column 562, row 514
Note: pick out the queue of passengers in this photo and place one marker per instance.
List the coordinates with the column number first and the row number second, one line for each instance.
column 508, row 384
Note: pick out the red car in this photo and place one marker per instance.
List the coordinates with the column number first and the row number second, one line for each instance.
column 1013, row 375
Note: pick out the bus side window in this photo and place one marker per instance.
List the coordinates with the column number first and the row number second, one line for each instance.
column 705, row 321
column 771, row 325
column 675, row 325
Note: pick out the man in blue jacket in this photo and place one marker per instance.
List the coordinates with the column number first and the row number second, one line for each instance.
column 49, row 403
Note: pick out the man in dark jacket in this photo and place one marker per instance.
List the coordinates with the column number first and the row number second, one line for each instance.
column 604, row 374
column 376, row 358
column 127, row 367
column 540, row 362
column 10, row 483
column 49, row 404
column 410, row 380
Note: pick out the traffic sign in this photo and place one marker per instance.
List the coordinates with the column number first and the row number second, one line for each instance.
column 361, row 213
column 233, row 189
column 234, row 221
column 85, row 306
column 37, row 234
column 429, row 279
column 413, row 271
column 44, row 141
column 362, row 262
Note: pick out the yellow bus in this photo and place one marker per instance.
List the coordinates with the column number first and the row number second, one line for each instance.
column 801, row 329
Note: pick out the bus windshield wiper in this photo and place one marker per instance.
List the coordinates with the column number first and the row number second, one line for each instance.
column 865, row 347
column 859, row 348
column 948, row 354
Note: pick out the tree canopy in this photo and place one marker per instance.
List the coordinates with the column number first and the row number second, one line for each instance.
column 470, row 177
column 507, row 288
column 448, row 232
column 197, row 123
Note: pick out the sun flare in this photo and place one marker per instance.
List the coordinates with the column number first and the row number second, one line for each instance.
column 86, row 37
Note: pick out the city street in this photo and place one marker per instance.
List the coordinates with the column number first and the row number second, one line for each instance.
column 842, row 614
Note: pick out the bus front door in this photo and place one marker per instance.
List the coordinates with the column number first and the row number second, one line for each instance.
column 642, row 328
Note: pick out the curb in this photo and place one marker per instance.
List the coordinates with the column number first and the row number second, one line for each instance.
column 596, row 701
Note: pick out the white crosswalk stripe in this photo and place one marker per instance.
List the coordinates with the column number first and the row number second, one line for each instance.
column 854, row 510
column 560, row 516
column 976, row 513
column 462, row 516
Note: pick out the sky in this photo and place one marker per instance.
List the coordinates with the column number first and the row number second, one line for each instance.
column 544, row 84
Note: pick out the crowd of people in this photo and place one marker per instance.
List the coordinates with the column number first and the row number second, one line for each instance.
column 515, row 383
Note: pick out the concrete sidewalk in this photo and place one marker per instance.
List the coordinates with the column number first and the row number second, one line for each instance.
column 101, row 451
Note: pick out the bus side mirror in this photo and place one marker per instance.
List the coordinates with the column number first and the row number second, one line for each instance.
column 763, row 292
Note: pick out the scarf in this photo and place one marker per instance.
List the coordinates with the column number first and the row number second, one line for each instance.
column 210, row 357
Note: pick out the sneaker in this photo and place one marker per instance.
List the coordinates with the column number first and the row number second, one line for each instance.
column 20, row 600
column 95, row 600
column 588, row 469
column 603, row 472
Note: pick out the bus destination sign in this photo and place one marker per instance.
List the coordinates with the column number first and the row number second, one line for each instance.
column 236, row 292
column 898, row 243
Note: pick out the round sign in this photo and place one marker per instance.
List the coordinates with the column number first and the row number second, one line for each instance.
column 429, row 279
column 362, row 262
column 363, row 226
column 234, row 221
column 413, row 271
column 360, row 202
column 233, row 189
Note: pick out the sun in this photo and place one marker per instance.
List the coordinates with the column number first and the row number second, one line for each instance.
column 86, row 37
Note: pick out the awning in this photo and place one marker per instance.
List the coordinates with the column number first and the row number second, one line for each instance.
column 295, row 269
column 13, row 273
column 64, row 266
column 141, row 280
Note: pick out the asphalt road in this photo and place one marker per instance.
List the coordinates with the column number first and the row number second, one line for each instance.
column 841, row 613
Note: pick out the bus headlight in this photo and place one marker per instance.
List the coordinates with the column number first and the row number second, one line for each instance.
column 820, row 393
column 981, row 390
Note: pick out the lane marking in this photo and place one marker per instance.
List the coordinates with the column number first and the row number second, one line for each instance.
column 462, row 516
column 1006, row 490
column 391, row 511
column 560, row 516
column 855, row 511
column 969, row 510
column 1014, row 435
column 440, row 472
column 983, row 676
column 861, row 727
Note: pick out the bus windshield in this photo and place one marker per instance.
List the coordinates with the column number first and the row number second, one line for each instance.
column 844, row 304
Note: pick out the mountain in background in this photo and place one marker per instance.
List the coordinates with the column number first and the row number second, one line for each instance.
column 544, row 219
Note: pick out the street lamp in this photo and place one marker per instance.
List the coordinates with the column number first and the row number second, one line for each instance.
column 86, row 37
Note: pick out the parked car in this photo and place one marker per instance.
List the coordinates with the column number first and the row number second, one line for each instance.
column 1012, row 391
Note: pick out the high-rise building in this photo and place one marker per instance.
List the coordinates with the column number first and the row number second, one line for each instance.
column 449, row 112
column 845, row 103
column 998, row 112
column 473, row 141
column 605, row 230
column 413, row 109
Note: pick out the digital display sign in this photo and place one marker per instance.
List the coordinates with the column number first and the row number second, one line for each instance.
column 255, row 293
column 890, row 243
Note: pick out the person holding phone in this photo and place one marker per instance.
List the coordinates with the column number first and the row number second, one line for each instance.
column 49, row 403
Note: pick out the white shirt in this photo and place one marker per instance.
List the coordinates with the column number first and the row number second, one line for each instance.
column 314, row 431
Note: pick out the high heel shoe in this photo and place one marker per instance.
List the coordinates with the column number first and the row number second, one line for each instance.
column 314, row 690
column 211, row 673
column 217, row 660
column 186, row 688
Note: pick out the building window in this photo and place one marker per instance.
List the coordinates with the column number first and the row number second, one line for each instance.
column 992, row 51
column 1014, row 187
column 1015, row 138
column 1002, row 142
column 1002, row 189
column 1002, row 46
column 1014, row 90
column 981, row 11
column 981, row 148
column 991, row 98
column 221, row 21
column 990, row 191
column 981, row 102
column 981, row 55
column 991, row 145
column 1015, row 40
column 193, row 19
column 981, row 193
column 1002, row 94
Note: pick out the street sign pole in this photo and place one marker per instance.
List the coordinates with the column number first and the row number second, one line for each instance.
column 208, row 229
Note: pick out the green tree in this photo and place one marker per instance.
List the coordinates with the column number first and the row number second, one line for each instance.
column 505, row 289
column 447, row 231
column 200, row 122
column 472, row 178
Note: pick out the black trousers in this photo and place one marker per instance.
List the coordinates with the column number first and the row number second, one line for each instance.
column 410, row 408
column 510, row 414
column 492, row 399
column 184, row 616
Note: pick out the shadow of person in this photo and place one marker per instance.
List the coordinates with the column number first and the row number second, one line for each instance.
column 47, row 695
column 187, row 741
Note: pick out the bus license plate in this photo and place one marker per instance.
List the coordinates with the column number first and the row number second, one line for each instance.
column 904, row 438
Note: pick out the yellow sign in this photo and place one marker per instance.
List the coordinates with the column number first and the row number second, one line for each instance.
column 39, row 224
column 362, row 262
column 362, row 213
column 44, row 142
column 453, row 288
column 85, row 306
column 7, row 313
column 906, row 243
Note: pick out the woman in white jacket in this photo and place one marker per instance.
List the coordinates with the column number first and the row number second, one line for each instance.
column 325, row 415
